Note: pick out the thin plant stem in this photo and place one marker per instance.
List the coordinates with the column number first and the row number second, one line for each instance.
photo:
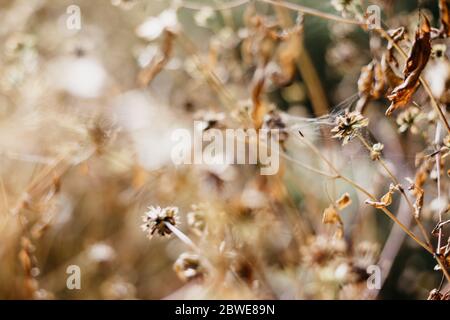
column 184, row 238
column 402, row 190
column 216, row 7
column 312, row 12
column 438, row 182
column 367, row 193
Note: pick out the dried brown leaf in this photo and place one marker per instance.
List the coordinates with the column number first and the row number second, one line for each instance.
column 344, row 201
column 370, row 83
column 331, row 216
column 385, row 200
column 417, row 60
column 158, row 62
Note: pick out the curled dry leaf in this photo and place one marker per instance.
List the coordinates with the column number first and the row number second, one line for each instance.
column 344, row 201
column 385, row 200
column 397, row 35
column 417, row 60
column 418, row 193
column 331, row 216
column 158, row 62
column 288, row 52
column 370, row 84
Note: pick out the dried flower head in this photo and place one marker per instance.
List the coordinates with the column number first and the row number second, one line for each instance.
column 375, row 152
column 348, row 125
column 188, row 266
column 320, row 250
column 408, row 120
column 156, row 220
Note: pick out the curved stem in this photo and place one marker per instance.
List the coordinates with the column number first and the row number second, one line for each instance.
column 367, row 193
column 312, row 12
column 402, row 191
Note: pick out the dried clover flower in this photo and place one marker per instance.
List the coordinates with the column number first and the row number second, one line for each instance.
column 408, row 120
column 188, row 266
column 348, row 125
column 320, row 250
column 365, row 254
column 156, row 220
column 375, row 152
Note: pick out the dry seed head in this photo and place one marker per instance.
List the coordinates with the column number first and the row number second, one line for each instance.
column 188, row 266
column 408, row 120
column 320, row 250
column 348, row 125
column 375, row 152
column 155, row 220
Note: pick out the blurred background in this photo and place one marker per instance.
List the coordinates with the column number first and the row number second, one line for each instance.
column 86, row 117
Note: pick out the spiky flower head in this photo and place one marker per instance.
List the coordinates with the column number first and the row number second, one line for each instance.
column 157, row 218
column 348, row 125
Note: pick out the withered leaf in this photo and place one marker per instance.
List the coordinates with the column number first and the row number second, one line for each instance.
column 417, row 60
column 385, row 200
column 158, row 62
column 397, row 35
column 331, row 216
column 391, row 78
column 370, row 83
column 344, row 201
column 445, row 18
column 258, row 84
column 419, row 194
